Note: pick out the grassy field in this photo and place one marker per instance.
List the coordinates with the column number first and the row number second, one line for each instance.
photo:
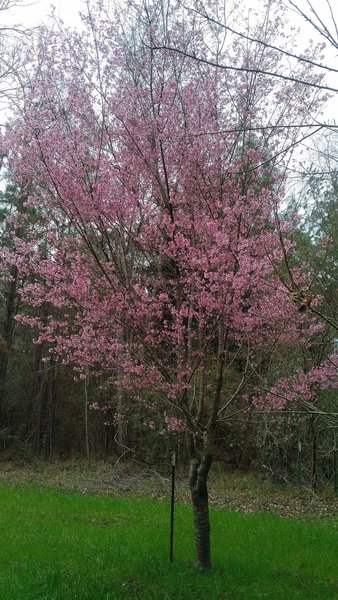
column 64, row 545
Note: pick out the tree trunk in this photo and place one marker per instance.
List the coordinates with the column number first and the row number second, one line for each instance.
column 122, row 421
column 42, row 420
column 52, row 409
column 198, row 477
column 8, row 331
column 46, row 396
column 86, row 417
column 200, row 463
column 314, row 455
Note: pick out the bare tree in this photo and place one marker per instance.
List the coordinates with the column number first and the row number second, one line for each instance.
column 11, row 38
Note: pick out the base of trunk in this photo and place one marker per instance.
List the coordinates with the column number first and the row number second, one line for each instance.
column 199, row 494
column 202, row 530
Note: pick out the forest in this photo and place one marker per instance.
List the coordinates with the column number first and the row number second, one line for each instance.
column 169, row 248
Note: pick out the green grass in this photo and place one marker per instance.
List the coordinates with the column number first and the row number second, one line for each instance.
column 64, row 545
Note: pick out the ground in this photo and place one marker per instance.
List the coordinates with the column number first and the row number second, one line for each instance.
column 244, row 492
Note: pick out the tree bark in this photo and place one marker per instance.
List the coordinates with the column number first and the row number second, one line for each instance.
column 200, row 464
column 198, row 476
column 86, row 417
column 314, row 454
column 8, row 331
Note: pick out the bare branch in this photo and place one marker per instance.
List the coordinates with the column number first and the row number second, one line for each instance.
column 321, row 28
column 263, row 43
column 255, row 70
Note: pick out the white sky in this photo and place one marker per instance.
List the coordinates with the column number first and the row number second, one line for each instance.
column 30, row 13
column 34, row 12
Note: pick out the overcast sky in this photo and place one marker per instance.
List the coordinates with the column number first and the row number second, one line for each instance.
column 34, row 12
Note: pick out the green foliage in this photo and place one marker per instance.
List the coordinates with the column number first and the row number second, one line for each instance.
column 58, row 545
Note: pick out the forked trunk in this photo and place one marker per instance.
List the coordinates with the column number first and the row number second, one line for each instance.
column 200, row 463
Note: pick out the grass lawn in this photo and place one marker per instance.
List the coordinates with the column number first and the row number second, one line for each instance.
column 64, row 545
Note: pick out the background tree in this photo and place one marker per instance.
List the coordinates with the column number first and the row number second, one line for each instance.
column 11, row 55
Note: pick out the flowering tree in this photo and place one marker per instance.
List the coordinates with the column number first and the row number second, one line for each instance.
column 162, row 254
